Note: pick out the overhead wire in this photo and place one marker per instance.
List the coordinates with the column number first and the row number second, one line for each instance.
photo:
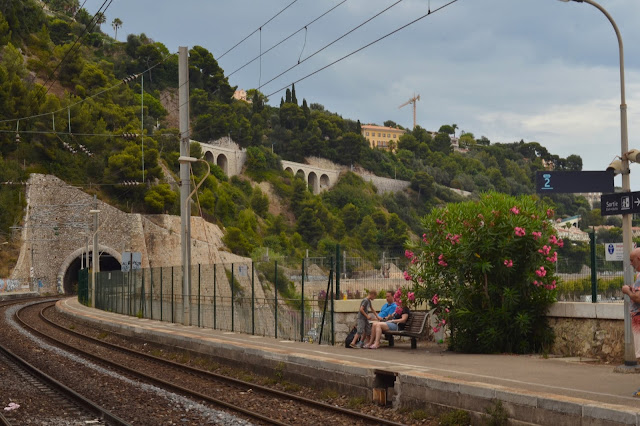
column 92, row 24
column 285, row 39
column 430, row 12
column 257, row 29
column 333, row 42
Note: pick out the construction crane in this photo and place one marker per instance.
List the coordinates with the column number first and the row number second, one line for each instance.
column 412, row 101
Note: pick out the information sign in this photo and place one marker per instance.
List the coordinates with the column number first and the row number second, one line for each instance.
column 620, row 203
column 574, row 182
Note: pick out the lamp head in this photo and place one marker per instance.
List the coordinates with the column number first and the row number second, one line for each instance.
column 633, row 155
column 616, row 167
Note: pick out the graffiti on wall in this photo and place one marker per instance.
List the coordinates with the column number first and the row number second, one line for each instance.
column 8, row 285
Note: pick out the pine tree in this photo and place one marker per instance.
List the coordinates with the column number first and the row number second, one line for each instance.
column 293, row 94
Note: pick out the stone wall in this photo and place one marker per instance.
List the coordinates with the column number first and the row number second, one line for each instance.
column 587, row 330
column 385, row 184
column 57, row 224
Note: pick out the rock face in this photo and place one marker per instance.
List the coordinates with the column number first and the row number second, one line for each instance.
column 602, row 339
column 58, row 227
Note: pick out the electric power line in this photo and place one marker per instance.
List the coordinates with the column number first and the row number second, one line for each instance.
column 92, row 24
column 257, row 29
column 364, row 47
column 333, row 42
column 286, row 38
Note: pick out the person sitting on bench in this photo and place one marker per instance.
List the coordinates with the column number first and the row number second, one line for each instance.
column 396, row 323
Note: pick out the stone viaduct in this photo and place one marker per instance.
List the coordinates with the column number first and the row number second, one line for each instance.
column 231, row 158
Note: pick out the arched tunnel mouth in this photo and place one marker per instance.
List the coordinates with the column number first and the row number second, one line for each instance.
column 70, row 281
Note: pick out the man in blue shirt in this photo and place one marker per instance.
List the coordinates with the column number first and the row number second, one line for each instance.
column 388, row 309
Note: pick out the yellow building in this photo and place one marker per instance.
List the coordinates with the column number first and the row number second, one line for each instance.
column 380, row 136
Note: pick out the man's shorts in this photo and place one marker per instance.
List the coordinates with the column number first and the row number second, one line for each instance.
column 392, row 326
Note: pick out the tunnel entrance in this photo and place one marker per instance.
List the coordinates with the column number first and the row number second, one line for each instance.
column 70, row 282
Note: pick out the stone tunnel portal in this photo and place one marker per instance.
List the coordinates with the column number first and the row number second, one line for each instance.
column 70, row 281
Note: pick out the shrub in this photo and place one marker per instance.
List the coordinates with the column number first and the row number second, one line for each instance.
column 487, row 268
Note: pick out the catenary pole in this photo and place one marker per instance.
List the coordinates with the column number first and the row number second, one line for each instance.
column 185, row 186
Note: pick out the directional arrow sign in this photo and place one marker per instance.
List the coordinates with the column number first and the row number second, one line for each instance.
column 620, row 203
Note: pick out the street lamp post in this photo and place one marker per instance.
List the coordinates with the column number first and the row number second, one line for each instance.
column 629, row 351
column 95, row 261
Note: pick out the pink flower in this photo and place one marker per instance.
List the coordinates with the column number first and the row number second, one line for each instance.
column 545, row 250
column 398, row 310
column 411, row 296
column 435, row 299
column 398, row 293
column 420, row 279
column 536, row 235
column 549, row 212
column 508, row 263
column 407, row 276
column 515, row 210
column 560, row 243
column 441, row 261
column 414, row 260
column 443, row 322
column 520, row 232
column 436, row 329
column 455, row 239
column 446, row 310
column 480, row 216
column 439, row 222
column 554, row 258
column 541, row 272
column 424, row 239
column 408, row 254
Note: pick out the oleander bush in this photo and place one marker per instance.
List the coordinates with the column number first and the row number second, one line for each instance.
column 487, row 267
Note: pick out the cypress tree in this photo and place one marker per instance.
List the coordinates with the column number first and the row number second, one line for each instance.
column 293, row 94
column 287, row 98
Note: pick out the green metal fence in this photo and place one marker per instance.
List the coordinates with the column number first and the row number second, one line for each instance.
column 258, row 298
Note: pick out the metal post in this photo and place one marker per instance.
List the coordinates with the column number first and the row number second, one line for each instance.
column 151, row 292
column 95, row 261
column 198, row 295
column 185, row 185
column 302, row 305
column 214, row 297
column 337, row 270
column 594, row 267
column 253, row 300
column 275, row 292
column 629, row 351
column 172, row 298
column 161, row 297
column 333, row 334
column 232, row 300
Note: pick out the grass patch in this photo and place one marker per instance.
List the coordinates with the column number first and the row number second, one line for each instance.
column 103, row 335
column 290, row 387
column 454, row 418
column 356, row 402
column 72, row 327
column 329, row 394
column 498, row 415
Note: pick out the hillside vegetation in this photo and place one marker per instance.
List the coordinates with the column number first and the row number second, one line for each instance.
column 47, row 76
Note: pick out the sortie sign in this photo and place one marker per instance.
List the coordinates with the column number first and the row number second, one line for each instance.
column 620, row 203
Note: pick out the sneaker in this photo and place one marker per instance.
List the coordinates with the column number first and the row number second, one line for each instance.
column 359, row 345
column 353, row 345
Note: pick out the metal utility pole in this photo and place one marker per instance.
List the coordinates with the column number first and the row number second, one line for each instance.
column 95, row 261
column 412, row 101
column 185, row 185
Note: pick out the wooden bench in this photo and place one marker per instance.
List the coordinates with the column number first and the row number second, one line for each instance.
column 413, row 328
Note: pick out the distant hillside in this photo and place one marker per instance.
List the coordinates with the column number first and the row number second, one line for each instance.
column 59, row 65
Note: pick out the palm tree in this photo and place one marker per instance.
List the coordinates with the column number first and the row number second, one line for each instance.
column 117, row 23
column 454, row 127
column 100, row 19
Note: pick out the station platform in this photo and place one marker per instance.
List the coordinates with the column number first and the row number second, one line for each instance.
column 531, row 388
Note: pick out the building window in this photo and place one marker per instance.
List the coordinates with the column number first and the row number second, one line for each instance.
column 378, row 134
column 367, row 133
column 394, row 135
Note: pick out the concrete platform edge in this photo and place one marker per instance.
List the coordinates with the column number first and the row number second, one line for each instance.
column 412, row 388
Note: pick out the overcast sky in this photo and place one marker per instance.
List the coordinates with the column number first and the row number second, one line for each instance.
column 538, row 70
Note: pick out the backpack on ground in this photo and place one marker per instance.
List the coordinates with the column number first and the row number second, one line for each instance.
column 350, row 337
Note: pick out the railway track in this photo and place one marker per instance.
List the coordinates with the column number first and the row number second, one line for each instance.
column 240, row 396
column 37, row 398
